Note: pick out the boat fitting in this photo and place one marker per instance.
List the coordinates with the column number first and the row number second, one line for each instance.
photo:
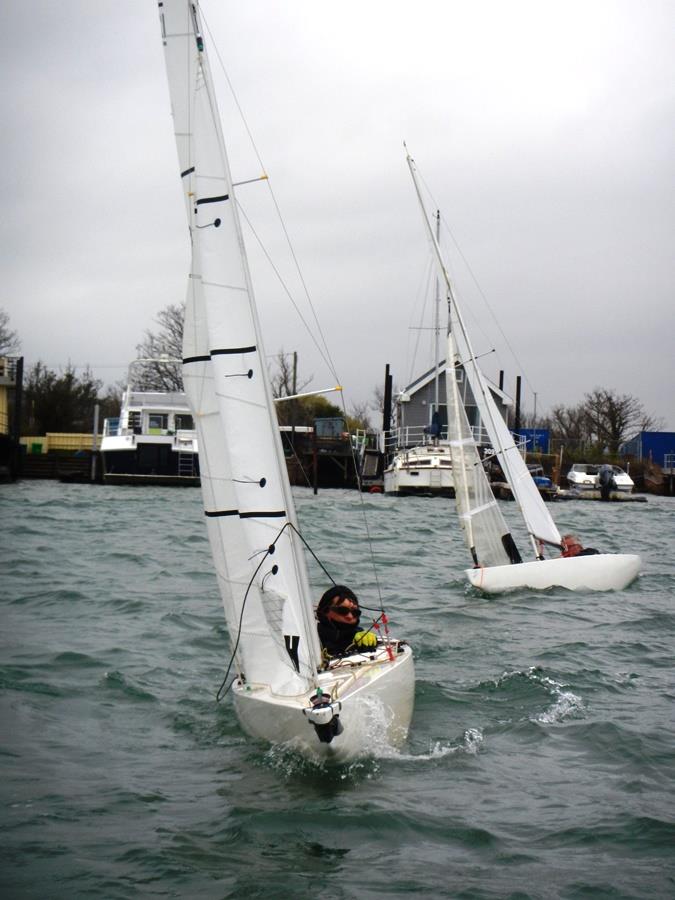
column 324, row 716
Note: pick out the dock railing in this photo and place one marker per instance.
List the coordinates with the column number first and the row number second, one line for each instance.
column 419, row 436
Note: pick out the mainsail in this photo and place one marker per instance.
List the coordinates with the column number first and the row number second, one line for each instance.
column 473, row 501
column 247, row 497
column 485, row 531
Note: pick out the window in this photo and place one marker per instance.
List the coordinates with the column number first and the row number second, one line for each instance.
column 157, row 422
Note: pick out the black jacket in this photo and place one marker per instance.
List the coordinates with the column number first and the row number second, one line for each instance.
column 336, row 638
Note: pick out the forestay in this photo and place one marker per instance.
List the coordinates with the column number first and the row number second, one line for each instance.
column 247, row 498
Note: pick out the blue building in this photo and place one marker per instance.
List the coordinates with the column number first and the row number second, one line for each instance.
column 537, row 439
column 651, row 445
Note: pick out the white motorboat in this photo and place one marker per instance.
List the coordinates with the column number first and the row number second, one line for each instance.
column 584, row 476
column 424, row 470
column 497, row 563
column 152, row 441
column 283, row 690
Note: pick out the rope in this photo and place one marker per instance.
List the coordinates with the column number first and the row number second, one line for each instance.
column 266, row 553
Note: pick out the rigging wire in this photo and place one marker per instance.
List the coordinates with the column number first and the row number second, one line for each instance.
column 267, row 552
column 425, row 291
column 477, row 284
column 324, row 351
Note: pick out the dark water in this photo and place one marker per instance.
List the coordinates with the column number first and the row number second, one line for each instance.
column 542, row 752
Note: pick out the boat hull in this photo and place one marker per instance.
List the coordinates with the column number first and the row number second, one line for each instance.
column 377, row 697
column 599, row 572
column 422, row 470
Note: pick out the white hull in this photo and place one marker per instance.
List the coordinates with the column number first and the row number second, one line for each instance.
column 600, row 572
column 377, row 697
column 585, row 486
column 422, row 470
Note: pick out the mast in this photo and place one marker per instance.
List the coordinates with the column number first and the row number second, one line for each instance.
column 437, row 316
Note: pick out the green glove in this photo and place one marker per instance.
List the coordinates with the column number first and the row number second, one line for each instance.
column 365, row 639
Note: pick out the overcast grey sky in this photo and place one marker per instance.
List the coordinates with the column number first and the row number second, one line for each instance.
column 544, row 131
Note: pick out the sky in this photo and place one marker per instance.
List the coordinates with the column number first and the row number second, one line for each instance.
column 543, row 132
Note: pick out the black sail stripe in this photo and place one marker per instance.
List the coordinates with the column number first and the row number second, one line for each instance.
column 187, row 172
column 262, row 514
column 230, row 350
column 226, row 351
column 213, row 199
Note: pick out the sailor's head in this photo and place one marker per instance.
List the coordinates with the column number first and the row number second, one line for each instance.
column 571, row 545
column 339, row 605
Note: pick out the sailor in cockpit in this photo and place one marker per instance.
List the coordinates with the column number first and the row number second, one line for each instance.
column 338, row 615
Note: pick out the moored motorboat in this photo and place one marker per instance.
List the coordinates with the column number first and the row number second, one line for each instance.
column 585, row 476
column 422, row 470
column 153, row 440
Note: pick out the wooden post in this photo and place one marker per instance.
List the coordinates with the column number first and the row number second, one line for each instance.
column 94, row 442
column 315, row 462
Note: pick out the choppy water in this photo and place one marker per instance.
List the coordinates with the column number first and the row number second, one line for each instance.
column 540, row 762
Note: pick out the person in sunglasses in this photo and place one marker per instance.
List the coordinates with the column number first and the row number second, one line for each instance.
column 338, row 615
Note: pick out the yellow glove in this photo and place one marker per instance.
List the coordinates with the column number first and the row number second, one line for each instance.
column 365, row 639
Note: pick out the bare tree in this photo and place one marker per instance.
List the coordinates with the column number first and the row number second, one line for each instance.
column 284, row 379
column 569, row 424
column 360, row 415
column 284, row 376
column 167, row 343
column 378, row 399
column 613, row 418
column 9, row 340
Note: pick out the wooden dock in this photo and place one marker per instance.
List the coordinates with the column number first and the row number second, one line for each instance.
column 614, row 497
column 502, row 491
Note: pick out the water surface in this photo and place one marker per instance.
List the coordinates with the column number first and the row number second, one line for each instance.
column 540, row 761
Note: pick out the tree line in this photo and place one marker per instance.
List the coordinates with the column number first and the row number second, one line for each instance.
column 600, row 424
column 64, row 402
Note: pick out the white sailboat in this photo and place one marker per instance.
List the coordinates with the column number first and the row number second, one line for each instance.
column 497, row 563
column 284, row 692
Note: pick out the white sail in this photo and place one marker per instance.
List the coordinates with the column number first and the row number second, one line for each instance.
column 485, row 531
column 540, row 525
column 247, row 498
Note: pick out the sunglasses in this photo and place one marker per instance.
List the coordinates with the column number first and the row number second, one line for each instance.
column 343, row 610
